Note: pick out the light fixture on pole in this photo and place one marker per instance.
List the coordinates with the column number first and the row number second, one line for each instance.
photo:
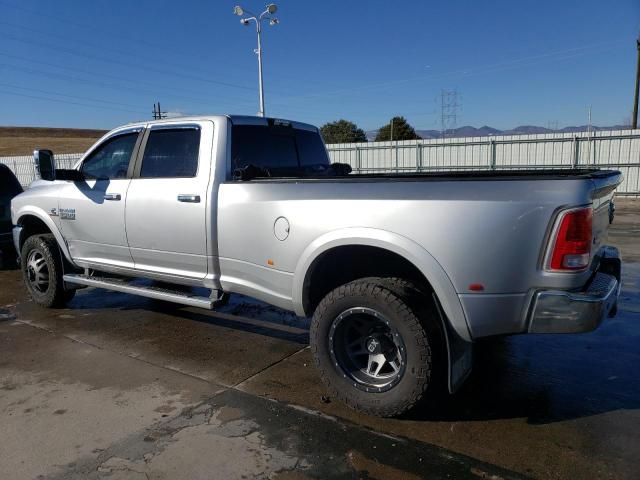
column 249, row 17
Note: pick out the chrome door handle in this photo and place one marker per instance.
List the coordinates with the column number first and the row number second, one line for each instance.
column 189, row 198
column 112, row 196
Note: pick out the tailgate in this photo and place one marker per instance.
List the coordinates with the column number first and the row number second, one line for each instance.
column 604, row 184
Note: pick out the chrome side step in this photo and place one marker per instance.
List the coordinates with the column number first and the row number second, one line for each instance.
column 144, row 291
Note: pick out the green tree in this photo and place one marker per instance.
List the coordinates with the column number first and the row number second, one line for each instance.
column 342, row 131
column 401, row 130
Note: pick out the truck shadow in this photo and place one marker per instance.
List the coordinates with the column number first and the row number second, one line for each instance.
column 546, row 379
column 8, row 259
column 241, row 314
column 540, row 378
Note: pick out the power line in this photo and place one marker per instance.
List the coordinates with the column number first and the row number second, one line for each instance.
column 127, row 53
column 67, row 102
column 483, row 69
column 147, row 68
column 65, row 95
column 85, row 27
column 49, row 74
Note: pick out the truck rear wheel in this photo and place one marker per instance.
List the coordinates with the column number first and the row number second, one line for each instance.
column 374, row 341
column 42, row 271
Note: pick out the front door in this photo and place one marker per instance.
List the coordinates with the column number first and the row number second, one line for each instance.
column 92, row 211
column 166, row 216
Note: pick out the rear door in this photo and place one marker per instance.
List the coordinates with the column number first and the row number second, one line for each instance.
column 166, row 217
column 92, row 211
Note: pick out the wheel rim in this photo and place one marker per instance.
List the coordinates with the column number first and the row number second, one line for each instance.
column 37, row 271
column 367, row 349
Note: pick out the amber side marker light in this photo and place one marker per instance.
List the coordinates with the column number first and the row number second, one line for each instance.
column 572, row 245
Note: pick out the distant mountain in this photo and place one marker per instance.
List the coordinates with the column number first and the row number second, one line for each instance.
column 485, row 131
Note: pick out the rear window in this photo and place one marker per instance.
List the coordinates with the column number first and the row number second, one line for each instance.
column 8, row 182
column 282, row 150
column 171, row 153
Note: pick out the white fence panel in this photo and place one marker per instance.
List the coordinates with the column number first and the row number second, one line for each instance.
column 617, row 149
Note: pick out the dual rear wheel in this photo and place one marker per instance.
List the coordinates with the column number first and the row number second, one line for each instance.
column 42, row 270
column 377, row 343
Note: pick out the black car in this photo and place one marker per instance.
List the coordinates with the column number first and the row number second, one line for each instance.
column 9, row 188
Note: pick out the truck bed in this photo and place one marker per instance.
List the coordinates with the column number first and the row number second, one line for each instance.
column 467, row 175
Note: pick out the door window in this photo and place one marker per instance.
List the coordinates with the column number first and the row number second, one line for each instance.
column 111, row 159
column 171, row 153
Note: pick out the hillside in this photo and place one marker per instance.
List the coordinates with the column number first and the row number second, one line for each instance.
column 24, row 140
column 469, row 131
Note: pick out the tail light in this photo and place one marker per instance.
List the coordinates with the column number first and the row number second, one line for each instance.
column 572, row 243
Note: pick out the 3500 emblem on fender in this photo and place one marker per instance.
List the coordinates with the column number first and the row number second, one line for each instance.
column 67, row 213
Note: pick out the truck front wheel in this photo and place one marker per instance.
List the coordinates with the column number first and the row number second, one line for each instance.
column 42, row 271
column 375, row 342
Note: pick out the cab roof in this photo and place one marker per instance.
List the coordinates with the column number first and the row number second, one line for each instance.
column 235, row 119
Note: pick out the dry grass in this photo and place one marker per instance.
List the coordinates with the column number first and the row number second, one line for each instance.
column 24, row 140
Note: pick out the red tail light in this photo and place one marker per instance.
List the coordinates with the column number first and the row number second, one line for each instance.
column 572, row 245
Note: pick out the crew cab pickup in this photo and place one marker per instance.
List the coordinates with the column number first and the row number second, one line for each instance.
column 401, row 273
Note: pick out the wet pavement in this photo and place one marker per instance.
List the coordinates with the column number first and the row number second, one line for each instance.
column 116, row 386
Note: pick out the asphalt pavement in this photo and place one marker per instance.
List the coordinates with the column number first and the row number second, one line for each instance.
column 116, row 386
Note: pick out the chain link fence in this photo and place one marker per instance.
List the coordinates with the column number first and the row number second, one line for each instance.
column 25, row 169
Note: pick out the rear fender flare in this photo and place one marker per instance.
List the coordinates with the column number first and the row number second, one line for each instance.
column 403, row 246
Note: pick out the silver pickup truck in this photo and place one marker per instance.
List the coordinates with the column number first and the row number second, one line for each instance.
column 401, row 273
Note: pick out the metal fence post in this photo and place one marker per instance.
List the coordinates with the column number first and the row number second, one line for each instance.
column 492, row 154
column 418, row 156
column 576, row 151
column 358, row 159
column 394, row 151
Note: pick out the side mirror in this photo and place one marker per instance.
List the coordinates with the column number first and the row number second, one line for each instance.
column 45, row 164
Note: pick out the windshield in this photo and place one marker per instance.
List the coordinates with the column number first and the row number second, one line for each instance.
column 280, row 150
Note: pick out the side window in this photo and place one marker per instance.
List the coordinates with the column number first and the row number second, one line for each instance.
column 311, row 149
column 263, row 147
column 111, row 159
column 171, row 153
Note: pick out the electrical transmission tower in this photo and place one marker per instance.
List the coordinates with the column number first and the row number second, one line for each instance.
column 448, row 110
column 158, row 114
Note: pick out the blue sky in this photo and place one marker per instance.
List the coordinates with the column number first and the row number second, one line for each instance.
column 98, row 64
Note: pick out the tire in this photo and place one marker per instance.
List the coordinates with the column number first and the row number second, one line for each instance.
column 390, row 308
column 42, row 271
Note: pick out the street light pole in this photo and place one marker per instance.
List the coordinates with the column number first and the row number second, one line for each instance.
column 266, row 15
column 261, row 112
column 634, row 119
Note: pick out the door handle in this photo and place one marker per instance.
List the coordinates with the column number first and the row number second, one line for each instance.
column 112, row 196
column 189, row 198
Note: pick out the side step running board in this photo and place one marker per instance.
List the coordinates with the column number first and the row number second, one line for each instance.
column 144, row 291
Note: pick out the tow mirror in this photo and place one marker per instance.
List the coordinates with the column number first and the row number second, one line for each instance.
column 45, row 164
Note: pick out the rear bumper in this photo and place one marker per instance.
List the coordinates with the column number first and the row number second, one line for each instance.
column 558, row 311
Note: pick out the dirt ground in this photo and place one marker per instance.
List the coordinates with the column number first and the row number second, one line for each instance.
column 121, row 387
column 24, row 140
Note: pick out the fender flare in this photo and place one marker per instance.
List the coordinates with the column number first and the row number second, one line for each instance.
column 398, row 244
column 40, row 214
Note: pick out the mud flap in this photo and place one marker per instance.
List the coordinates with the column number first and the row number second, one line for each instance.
column 459, row 353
